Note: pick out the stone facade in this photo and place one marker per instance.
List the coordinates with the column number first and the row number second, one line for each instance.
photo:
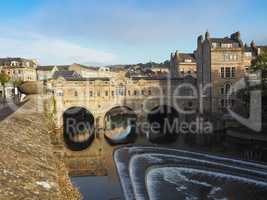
column 221, row 62
column 19, row 68
column 100, row 95
column 183, row 64
column 47, row 72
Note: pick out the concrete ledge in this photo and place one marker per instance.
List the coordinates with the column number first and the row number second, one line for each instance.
column 28, row 167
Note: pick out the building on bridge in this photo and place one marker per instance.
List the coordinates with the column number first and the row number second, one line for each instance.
column 140, row 95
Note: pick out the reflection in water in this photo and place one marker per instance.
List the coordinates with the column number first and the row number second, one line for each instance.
column 108, row 187
column 95, row 187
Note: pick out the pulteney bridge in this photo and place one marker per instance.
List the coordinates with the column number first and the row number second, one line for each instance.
column 96, row 98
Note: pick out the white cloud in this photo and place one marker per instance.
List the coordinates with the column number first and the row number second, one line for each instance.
column 50, row 50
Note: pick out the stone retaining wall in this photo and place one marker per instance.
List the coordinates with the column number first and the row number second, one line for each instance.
column 28, row 167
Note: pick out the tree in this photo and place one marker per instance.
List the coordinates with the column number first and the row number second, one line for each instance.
column 17, row 82
column 4, row 78
column 260, row 64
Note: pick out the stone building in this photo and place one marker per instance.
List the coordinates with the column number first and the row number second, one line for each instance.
column 19, row 68
column 221, row 62
column 183, row 64
column 256, row 49
column 47, row 72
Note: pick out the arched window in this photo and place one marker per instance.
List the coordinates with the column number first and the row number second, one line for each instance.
column 120, row 90
column 227, row 87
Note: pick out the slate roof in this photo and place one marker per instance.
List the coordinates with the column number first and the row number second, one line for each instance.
column 9, row 59
column 45, row 68
column 67, row 75
column 187, row 56
column 223, row 40
column 74, row 76
column 63, row 67
column 22, row 61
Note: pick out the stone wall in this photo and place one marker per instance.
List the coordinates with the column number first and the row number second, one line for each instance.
column 28, row 167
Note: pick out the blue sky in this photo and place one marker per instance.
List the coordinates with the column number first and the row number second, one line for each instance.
column 99, row 32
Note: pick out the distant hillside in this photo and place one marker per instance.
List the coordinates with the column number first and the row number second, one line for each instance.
column 164, row 64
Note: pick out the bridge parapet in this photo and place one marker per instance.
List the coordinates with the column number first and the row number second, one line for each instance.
column 28, row 167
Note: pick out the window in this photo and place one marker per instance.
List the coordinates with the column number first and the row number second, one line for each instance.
column 106, row 93
column 75, row 93
column 188, row 60
column 135, row 92
column 222, row 91
column 227, row 72
column 91, row 93
column 112, row 93
column 143, row 92
column 214, row 45
column 232, row 102
column 120, row 90
column 233, row 72
column 222, row 72
column 98, row 93
column 227, row 88
column 129, row 93
column 226, row 45
column 190, row 104
column 222, row 103
column 149, row 92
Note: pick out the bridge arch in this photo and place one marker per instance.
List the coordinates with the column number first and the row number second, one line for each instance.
column 119, row 116
column 164, row 124
column 78, row 128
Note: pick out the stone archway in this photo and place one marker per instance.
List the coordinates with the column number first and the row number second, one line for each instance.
column 119, row 116
column 78, row 128
column 120, row 125
column 164, row 124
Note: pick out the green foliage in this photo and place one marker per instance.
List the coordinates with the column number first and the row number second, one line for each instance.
column 260, row 63
column 17, row 82
column 4, row 78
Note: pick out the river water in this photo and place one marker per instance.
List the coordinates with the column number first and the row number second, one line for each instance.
column 108, row 187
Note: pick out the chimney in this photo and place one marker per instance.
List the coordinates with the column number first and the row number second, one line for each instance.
column 207, row 35
column 236, row 36
column 253, row 44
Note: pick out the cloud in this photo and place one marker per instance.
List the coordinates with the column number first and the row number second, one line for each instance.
column 133, row 22
column 134, row 30
column 50, row 50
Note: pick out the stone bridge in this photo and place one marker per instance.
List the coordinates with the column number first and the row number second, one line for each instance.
column 28, row 167
column 140, row 95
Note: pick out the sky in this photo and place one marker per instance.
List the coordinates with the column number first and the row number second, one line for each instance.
column 105, row 32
